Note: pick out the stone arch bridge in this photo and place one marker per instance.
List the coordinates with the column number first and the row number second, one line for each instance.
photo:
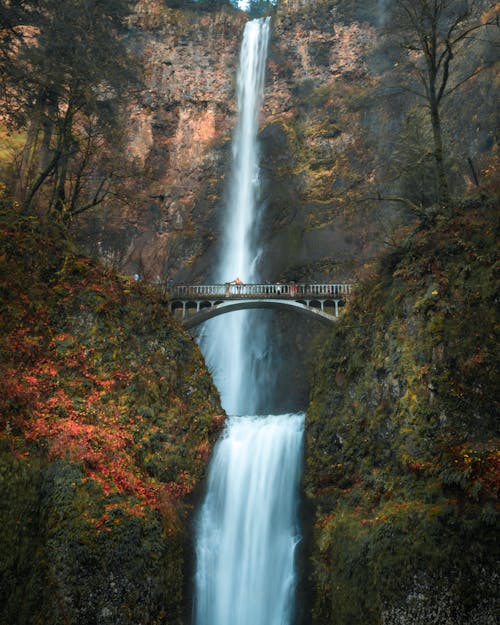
column 195, row 304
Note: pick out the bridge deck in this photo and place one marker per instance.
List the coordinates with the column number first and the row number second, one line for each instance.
column 185, row 292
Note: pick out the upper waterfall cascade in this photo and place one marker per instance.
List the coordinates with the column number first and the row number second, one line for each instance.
column 233, row 345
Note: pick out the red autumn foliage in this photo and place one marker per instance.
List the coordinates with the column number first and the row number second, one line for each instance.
column 93, row 372
column 57, row 398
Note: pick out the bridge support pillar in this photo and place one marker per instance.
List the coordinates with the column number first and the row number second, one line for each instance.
column 336, row 302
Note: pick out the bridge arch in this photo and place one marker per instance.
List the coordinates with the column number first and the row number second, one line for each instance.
column 224, row 307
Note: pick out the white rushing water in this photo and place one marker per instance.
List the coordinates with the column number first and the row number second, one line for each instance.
column 248, row 524
column 247, row 528
column 232, row 344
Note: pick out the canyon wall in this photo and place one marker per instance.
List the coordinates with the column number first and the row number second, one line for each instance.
column 402, row 457
column 336, row 135
column 333, row 119
column 180, row 131
column 107, row 419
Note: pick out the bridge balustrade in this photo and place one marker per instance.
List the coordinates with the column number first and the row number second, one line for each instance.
column 231, row 290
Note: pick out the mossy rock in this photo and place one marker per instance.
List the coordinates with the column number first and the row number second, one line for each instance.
column 108, row 416
column 402, row 436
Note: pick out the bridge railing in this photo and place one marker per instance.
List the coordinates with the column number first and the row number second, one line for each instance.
column 235, row 291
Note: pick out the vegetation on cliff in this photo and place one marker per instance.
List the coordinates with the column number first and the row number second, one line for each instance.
column 403, row 458
column 65, row 69
column 107, row 418
column 371, row 109
column 107, row 412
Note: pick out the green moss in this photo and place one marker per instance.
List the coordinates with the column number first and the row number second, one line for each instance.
column 402, row 461
column 107, row 418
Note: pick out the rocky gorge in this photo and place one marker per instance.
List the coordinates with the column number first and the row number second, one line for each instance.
column 108, row 413
column 180, row 129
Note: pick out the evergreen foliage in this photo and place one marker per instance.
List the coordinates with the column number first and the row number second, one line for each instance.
column 65, row 68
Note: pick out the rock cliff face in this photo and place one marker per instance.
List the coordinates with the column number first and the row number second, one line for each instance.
column 180, row 130
column 403, row 463
column 107, row 418
column 327, row 125
column 313, row 145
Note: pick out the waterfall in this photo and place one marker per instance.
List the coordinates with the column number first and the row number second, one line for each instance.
column 381, row 12
column 247, row 527
column 245, row 553
column 233, row 344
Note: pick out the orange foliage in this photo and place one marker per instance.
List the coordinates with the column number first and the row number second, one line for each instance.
column 59, row 401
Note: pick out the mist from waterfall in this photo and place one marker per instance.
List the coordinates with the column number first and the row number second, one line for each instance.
column 247, row 528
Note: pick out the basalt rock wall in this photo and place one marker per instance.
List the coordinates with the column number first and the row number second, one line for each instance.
column 402, row 457
column 107, row 419
column 332, row 121
column 180, row 129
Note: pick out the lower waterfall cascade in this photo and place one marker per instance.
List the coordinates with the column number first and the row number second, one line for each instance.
column 248, row 530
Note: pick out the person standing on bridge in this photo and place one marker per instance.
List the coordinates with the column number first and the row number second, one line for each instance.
column 238, row 284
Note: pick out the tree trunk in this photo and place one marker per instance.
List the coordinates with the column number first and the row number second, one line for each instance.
column 47, row 127
column 42, row 176
column 60, row 190
column 29, row 149
column 58, row 200
column 37, row 159
column 443, row 191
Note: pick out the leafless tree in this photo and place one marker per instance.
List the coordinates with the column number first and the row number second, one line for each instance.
column 435, row 35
